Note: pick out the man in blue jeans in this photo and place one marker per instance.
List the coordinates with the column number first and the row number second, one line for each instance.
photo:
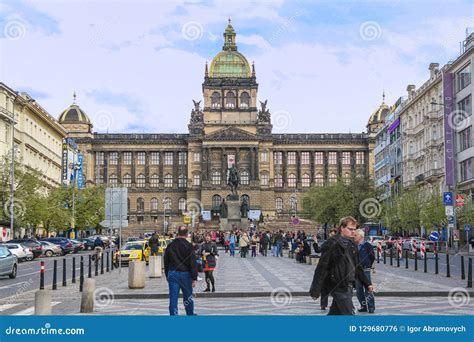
column 366, row 258
column 181, row 271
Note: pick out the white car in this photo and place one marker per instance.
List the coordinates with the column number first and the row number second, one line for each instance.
column 373, row 240
column 21, row 252
column 50, row 249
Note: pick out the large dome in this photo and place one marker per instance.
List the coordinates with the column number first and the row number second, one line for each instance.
column 73, row 114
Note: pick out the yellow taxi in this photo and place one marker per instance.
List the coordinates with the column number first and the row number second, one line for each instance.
column 133, row 251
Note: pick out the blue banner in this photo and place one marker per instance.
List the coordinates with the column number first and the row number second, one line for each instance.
column 80, row 176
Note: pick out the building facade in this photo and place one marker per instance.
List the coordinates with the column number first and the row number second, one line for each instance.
column 168, row 173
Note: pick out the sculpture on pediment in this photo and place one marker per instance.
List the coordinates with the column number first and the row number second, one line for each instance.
column 196, row 114
column 263, row 113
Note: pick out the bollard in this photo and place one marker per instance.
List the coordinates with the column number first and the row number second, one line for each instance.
column 64, row 272
column 463, row 272
column 102, row 263
column 384, row 256
column 448, row 271
column 436, row 262
column 469, row 273
column 55, row 266
column 416, row 260
column 73, row 280
column 107, row 264
column 136, row 275
column 87, row 299
column 96, row 262
column 398, row 258
column 154, row 268
column 90, row 267
column 406, row 258
column 425, row 263
column 391, row 256
column 42, row 303
column 112, row 260
column 81, row 275
column 42, row 275
column 378, row 257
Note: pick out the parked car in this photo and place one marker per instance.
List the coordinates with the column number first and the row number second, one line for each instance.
column 64, row 243
column 21, row 252
column 50, row 249
column 33, row 244
column 8, row 262
column 373, row 240
column 88, row 243
column 133, row 250
column 429, row 245
column 78, row 246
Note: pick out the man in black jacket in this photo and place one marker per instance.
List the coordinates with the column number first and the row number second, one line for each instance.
column 181, row 272
column 339, row 268
column 154, row 243
column 367, row 258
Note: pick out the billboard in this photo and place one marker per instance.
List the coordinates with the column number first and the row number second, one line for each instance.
column 448, row 93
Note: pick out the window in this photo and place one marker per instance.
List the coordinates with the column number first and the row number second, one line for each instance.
column 264, row 179
column 305, row 181
column 197, row 179
column 278, row 158
column 182, row 204
column 197, row 157
column 264, row 157
column 127, row 158
column 230, row 100
column 465, row 138
column 292, row 180
column 332, row 178
column 346, row 158
column 167, row 203
column 463, row 77
column 154, row 180
column 168, row 181
column 216, row 178
column 113, row 158
column 99, row 158
column 99, row 179
column 465, row 105
column 140, row 205
column 113, row 179
column 360, row 160
column 279, row 204
column 304, row 158
column 141, row 158
column 466, row 169
column 318, row 158
column 215, row 100
column 244, row 100
column 216, row 201
column 332, row 158
column 127, row 180
column 347, row 178
column 291, row 158
column 182, row 156
column 140, row 181
column 155, row 158
column 278, row 180
column 319, row 180
column 244, row 177
column 154, row 204
column 168, row 158
column 182, row 181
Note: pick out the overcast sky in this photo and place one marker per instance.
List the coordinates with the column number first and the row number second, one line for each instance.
column 137, row 65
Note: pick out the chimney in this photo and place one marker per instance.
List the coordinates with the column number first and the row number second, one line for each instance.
column 434, row 69
column 411, row 90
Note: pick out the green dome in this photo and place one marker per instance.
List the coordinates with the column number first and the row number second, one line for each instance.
column 229, row 64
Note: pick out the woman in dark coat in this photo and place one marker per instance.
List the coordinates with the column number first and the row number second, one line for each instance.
column 209, row 254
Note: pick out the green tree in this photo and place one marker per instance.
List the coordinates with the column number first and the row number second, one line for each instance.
column 409, row 206
column 432, row 212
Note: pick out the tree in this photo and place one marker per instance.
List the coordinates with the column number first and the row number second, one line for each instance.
column 432, row 212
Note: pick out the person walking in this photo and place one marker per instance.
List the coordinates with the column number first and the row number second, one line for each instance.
column 264, row 241
column 278, row 244
column 232, row 240
column 325, row 290
column 367, row 258
column 254, row 244
column 154, row 243
column 181, row 272
column 244, row 245
column 339, row 268
column 226, row 242
column 209, row 257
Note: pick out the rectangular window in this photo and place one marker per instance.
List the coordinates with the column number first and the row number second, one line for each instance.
column 332, row 158
column 279, row 181
column 463, row 77
column 182, row 156
column 141, row 158
column 155, row 158
column 278, row 158
column 99, row 158
column 465, row 105
column 264, row 157
column 465, row 138
column 168, row 158
column 291, row 158
column 99, row 179
column 113, row 158
column 360, row 160
column 318, row 158
column 182, row 181
column 304, row 158
column 197, row 157
column 346, row 158
column 168, row 181
column 127, row 158
column 466, row 169
column 197, row 180
column 264, row 179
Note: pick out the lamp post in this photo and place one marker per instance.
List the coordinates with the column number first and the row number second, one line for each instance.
column 76, row 167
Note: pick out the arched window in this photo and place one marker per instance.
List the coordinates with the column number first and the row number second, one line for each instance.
column 140, row 205
column 127, row 180
column 113, row 179
column 154, row 180
column 182, row 204
column 215, row 100
column 167, row 203
column 216, row 201
column 154, row 204
column 244, row 177
column 216, row 178
column 292, row 180
column 332, row 178
column 319, row 180
column 230, row 100
column 279, row 204
column 140, row 181
column 244, row 100
column 168, row 181
column 305, row 181
column 182, row 181
column 278, row 180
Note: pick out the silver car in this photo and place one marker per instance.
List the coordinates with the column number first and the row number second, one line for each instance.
column 8, row 262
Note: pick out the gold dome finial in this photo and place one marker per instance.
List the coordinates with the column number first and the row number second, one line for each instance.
column 74, row 97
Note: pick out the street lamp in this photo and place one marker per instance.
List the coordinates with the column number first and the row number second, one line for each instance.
column 76, row 167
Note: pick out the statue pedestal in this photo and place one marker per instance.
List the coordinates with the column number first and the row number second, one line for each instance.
column 233, row 216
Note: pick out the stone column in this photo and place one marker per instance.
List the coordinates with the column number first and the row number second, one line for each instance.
column 133, row 169
column 252, row 164
column 204, row 165
column 257, row 174
column 119, row 167
column 285, row 168
column 311, row 165
column 161, row 162
column 106, row 158
column 298, row 169
column 224, row 166
column 147, row 168
column 326, row 167
column 339, row 163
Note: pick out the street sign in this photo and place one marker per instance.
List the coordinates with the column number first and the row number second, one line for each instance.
column 449, row 210
column 456, row 234
column 116, row 210
column 450, row 225
column 467, row 227
column 459, row 200
column 448, row 198
column 186, row 219
column 114, row 224
column 450, row 219
column 434, row 236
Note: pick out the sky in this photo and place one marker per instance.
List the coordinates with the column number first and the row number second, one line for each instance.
column 137, row 65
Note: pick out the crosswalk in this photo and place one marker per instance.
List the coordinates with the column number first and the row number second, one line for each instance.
column 19, row 309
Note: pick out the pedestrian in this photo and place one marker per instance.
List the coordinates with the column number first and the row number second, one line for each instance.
column 154, row 243
column 254, row 244
column 226, row 242
column 209, row 256
column 181, row 272
column 325, row 290
column 339, row 268
column 264, row 241
column 232, row 240
column 366, row 258
column 278, row 244
column 244, row 245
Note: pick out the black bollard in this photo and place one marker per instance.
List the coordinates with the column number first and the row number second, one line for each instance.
column 448, row 271
column 96, row 262
column 416, row 260
column 425, row 263
column 90, row 267
column 469, row 273
column 107, row 263
column 42, row 275
column 81, row 274
column 64, row 272
column 384, row 256
column 406, row 258
column 112, row 260
column 391, row 256
column 102, row 263
column 398, row 259
column 55, row 275
column 436, row 262
column 73, row 280
column 463, row 273
column 378, row 257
